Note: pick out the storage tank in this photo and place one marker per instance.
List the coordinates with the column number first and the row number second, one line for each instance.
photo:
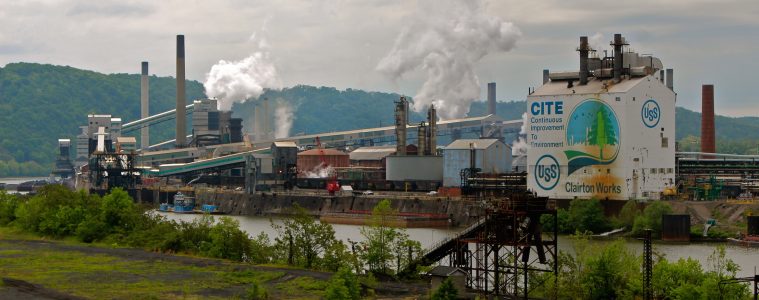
column 675, row 228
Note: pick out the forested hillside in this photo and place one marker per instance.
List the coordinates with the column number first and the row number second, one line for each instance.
column 41, row 103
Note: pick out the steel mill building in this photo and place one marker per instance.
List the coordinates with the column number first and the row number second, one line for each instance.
column 606, row 132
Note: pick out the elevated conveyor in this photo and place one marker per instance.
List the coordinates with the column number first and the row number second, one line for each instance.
column 200, row 166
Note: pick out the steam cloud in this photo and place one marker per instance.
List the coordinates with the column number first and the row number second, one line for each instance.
column 446, row 39
column 238, row 81
column 520, row 146
column 283, row 118
column 320, row 171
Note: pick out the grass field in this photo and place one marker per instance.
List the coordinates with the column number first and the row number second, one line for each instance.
column 60, row 269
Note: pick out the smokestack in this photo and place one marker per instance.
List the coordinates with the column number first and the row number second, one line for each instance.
column 545, row 76
column 618, row 42
column 401, row 119
column 266, row 126
column 491, row 98
column 422, row 144
column 144, row 110
column 256, row 123
column 707, row 119
column 670, row 79
column 432, row 130
column 584, row 49
column 181, row 117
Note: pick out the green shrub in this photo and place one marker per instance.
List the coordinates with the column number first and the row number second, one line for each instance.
column 256, row 291
column 226, row 240
column 446, row 291
column 8, row 205
column 344, row 285
column 587, row 216
column 651, row 218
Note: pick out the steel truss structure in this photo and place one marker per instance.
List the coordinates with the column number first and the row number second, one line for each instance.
column 508, row 254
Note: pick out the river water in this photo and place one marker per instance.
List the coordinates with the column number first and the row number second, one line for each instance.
column 747, row 258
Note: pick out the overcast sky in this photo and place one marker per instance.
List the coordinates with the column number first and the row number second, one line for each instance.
column 339, row 42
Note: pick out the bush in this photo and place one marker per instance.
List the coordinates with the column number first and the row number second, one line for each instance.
column 226, row 240
column 651, row 218
column 587, row 216
column 256, row 291
column 446, row 291
column 344, row 285
column 627, row 215
column 8, row 205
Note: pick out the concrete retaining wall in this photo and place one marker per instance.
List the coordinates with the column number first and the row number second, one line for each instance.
column 238, row 203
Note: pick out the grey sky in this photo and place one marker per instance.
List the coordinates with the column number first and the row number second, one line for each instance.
column 339, row 42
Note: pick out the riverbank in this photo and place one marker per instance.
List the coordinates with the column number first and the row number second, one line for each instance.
column 37, row 268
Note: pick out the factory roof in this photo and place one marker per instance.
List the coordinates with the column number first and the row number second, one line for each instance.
column 372, row 153
column 464, row 144
column 594, row 86
column 326, row 152
column 445, row 271
column 126, row 139
column 284, row 144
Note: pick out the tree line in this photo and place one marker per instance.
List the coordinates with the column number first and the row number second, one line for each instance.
column 301, row 241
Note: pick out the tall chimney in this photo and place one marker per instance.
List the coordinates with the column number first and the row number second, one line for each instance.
column 584, row 49
column 618, row 42
column 401, row 120
column 432, row 130
column 144, row 102
column 422, row 135
column 708, row 144
column 257, row 123
column 546, row 76
column 670, row 79
column 491, row 98
column 266, row 126
column 181, row 98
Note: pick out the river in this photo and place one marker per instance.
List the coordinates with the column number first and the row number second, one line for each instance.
column 746, row 258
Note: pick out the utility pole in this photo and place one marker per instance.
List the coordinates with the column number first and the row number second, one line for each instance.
column 647, row 266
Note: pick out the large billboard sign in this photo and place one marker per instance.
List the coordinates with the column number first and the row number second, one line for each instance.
column 574, row 146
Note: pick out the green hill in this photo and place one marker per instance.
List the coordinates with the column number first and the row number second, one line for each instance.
column 41, row 103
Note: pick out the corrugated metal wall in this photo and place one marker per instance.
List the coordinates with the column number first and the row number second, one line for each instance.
column 494, row 159
column 400, row 168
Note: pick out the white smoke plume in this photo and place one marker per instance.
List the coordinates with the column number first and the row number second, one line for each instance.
column 283, row 119
column 238, row 81
column 520, row 146
column 597, row 41
column 446, row 39
column 320, row 171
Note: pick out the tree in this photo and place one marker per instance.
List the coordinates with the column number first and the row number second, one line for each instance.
column 446, row 291
column 227, row 240
column 651, row 217
column 385, row 246
column 303, row 239
column 344, row 285
column 587, row 215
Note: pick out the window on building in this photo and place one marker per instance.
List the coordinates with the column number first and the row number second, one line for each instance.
column 661, row 170
column 664, row 142
column 653, row 170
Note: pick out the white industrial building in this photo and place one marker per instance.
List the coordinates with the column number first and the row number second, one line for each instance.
column 606, row 132
column 491, row 156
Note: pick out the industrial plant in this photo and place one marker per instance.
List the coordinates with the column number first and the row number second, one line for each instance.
column 604, row 132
